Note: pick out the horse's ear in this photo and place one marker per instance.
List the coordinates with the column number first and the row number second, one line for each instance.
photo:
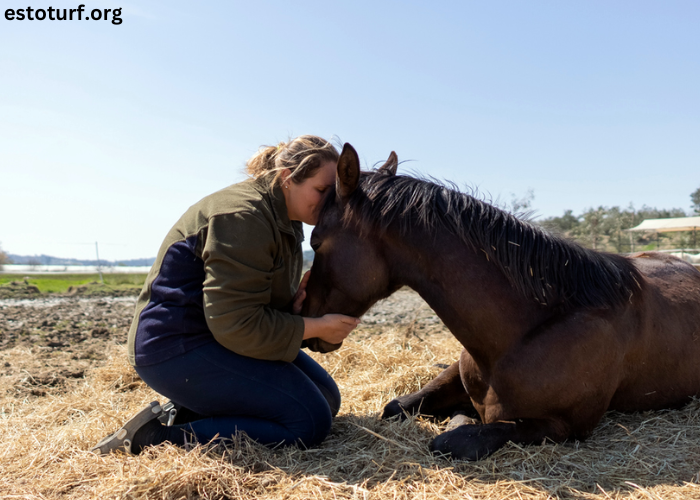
column 348, row 172
column 391, row 164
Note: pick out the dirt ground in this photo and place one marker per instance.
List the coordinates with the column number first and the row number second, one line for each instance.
column 65, row 336
column 65, row 383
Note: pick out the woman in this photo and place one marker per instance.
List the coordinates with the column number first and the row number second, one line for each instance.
column 217, row 328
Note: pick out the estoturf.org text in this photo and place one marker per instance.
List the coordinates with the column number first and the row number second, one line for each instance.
column 51, row 14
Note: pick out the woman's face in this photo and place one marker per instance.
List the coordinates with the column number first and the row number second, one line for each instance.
column 304, row 199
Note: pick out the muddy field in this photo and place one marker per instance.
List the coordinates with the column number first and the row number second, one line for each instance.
column 48, row 344
column 65, row 336
column 65, row 383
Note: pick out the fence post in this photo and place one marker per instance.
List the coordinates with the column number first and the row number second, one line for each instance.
column 99, row 268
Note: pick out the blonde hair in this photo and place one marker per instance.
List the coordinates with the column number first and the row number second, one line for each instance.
column 303, row 156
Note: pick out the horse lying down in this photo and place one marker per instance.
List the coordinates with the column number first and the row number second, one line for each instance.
column 554, row 334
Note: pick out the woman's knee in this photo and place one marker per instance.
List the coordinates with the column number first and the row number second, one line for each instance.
column 314, row 430
column 323, row 381
column 332, row 396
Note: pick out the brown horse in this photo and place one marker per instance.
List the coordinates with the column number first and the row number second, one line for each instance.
column 554, row 334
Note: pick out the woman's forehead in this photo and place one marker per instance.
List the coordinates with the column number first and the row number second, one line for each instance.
column 327, row 173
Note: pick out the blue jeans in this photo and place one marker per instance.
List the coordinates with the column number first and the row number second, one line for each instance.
column 274, row 402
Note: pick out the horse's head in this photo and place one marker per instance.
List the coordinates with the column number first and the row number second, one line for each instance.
column 350, row 271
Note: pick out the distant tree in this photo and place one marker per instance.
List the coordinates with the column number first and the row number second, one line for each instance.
column 604, row 228
column 695, row 198
column 521, row 206
column 3, row 258
column 654, row 213
column 561, row 225
column 593, row 229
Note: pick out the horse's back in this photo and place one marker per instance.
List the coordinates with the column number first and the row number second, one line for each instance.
column 659, row 265
column 673, row 283
column 663, row 361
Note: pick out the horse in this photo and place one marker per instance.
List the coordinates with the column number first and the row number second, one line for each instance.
column 553, row 334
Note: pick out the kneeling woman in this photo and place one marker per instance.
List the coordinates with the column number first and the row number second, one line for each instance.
column 217, row 329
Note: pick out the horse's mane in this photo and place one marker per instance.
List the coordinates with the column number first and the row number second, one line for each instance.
column 546, row 267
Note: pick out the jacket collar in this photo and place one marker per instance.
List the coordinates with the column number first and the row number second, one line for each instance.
column 279, row 207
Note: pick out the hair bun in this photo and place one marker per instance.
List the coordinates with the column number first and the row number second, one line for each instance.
column 302, row 156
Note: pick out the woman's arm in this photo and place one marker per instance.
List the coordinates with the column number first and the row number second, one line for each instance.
column 239, row 260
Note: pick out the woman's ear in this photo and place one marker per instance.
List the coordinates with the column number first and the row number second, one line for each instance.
column 285, row 177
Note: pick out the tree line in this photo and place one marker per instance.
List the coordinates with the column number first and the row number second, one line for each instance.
column 603, row 228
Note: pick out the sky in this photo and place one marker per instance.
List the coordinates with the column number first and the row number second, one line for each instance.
column 110, row 131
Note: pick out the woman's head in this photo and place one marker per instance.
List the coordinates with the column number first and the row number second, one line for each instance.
column 304, row 167
column 302, row 157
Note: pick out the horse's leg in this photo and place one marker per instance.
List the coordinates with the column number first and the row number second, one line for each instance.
column 477, row 441
column 442, row 397
column 555, row 384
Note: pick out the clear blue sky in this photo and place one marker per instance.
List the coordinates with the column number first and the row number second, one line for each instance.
column 109, row 132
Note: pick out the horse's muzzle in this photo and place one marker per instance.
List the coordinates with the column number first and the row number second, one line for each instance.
column 317, row 345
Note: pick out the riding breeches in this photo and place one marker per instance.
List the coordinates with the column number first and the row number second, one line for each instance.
column 273, row 402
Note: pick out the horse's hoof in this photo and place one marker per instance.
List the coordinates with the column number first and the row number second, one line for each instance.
column 465, row 443
column 393, row 409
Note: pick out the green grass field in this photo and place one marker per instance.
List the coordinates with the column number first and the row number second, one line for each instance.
column 60, row 283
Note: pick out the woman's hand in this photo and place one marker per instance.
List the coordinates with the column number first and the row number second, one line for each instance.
column 333, row 328
column 299, row 297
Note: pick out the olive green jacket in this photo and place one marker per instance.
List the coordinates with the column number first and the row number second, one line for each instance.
column 227, row 270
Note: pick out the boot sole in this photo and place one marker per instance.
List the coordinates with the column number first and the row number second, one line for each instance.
column 121, row 440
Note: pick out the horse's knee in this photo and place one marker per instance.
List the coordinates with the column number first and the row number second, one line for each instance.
column 441, row 397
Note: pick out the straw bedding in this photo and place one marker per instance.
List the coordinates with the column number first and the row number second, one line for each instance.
column 55, row 403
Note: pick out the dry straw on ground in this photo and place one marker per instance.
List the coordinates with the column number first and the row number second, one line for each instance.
column 45, row 436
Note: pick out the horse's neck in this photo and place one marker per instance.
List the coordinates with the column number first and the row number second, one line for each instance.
column 469, row 294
